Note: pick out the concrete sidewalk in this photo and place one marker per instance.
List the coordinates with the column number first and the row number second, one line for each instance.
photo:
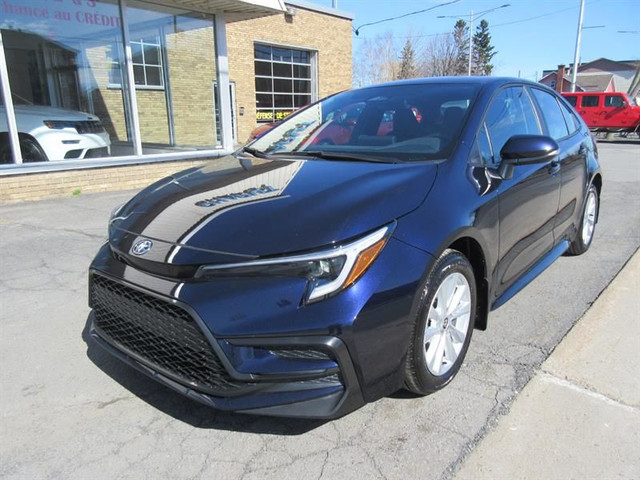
column 579, row 416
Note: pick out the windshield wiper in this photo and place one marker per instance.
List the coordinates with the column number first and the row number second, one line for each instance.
column 340, row 156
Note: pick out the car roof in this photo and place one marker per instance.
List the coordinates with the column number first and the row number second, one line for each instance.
column 483, row 81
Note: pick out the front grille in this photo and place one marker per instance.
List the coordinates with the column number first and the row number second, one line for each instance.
column 88, row 126
column 161, row 334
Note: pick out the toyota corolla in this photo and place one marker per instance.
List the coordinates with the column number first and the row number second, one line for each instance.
column 316, row 276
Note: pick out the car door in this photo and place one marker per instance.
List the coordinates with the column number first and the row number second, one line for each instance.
column 528, row 201
column 616, row 111
column 589, row 110
column 560, row 125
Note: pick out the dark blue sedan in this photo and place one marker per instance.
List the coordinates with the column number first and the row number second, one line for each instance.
column 352, row 251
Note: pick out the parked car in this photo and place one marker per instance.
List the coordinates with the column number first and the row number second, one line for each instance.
column 315, row 278
column 48, row 134
column 606, row 111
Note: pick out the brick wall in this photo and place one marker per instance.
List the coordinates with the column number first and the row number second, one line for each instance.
column 39, row 186
column 192, row 71
column 330, row 36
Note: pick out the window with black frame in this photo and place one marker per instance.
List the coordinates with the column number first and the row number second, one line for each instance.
column 283, row 80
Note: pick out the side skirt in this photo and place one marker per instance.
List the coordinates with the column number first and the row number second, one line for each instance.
column 528, row 277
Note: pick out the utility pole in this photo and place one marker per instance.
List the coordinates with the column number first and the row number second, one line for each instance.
column 577, row 54
column 471, row 27
column 470, row 41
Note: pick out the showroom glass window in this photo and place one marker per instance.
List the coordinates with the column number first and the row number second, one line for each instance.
column 174, row 68
column 69, row 84
column 59, row 56
column 284, row 81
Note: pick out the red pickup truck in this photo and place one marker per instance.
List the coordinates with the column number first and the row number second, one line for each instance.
column 606, row 111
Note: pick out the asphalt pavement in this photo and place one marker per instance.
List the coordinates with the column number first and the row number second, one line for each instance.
column 71, row 411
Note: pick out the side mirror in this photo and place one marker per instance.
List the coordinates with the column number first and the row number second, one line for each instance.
column 526, row 150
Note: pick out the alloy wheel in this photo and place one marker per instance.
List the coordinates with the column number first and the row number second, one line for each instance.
column 589, row 219
column 447, row 324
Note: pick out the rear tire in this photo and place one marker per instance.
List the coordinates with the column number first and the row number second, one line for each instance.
column 584, row 236
column 443, row 324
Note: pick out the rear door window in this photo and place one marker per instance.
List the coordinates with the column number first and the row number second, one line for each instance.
column 572, row 121
column 572, row 100
column 589, row 101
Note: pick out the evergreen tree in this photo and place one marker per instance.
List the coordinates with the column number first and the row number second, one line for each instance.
column 461, row 39
column 408, row 67
column 483, row 51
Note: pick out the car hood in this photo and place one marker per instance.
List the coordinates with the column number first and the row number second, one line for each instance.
column 51, row 113
column 256, row 210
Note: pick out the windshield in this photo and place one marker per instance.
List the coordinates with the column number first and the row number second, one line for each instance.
column 399, row 122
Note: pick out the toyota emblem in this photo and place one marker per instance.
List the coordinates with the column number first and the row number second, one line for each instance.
column 142, row 247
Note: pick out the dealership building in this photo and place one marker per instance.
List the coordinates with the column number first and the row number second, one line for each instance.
column 100, row 94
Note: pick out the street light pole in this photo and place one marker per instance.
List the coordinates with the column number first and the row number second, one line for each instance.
column 470, row 41
column 577, row 53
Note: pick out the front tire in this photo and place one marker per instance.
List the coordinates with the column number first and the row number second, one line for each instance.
column 443, row 324
column 584, row 237
column 30, row 148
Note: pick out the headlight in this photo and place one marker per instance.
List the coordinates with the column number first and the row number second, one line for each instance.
column 59, row 124
column 328, row 271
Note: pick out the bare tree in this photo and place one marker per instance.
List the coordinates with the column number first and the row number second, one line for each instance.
column 440, row 56
column 376, row 61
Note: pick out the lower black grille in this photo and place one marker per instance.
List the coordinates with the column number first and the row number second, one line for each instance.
column 163, row 335
column 97, row 152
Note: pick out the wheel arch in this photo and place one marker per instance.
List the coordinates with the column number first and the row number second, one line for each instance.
column 468, row 242
column 472, row 249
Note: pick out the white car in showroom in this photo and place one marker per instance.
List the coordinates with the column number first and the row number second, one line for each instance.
column 49, row 133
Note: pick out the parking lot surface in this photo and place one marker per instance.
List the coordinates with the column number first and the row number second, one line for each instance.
column 69, row 410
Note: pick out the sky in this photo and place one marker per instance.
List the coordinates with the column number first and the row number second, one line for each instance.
column 529, row 36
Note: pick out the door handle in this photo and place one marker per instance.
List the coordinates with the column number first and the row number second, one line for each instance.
column 554, row 168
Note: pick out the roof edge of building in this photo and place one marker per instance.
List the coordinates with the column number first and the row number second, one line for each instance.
column 319, row 8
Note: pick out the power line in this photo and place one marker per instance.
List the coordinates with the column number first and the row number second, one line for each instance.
column 357, row 30
column 539, row 16
column 499, row 24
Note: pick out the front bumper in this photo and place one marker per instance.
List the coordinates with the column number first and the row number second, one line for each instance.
column 298, row 376
column 67, row 143
column 266, row 353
